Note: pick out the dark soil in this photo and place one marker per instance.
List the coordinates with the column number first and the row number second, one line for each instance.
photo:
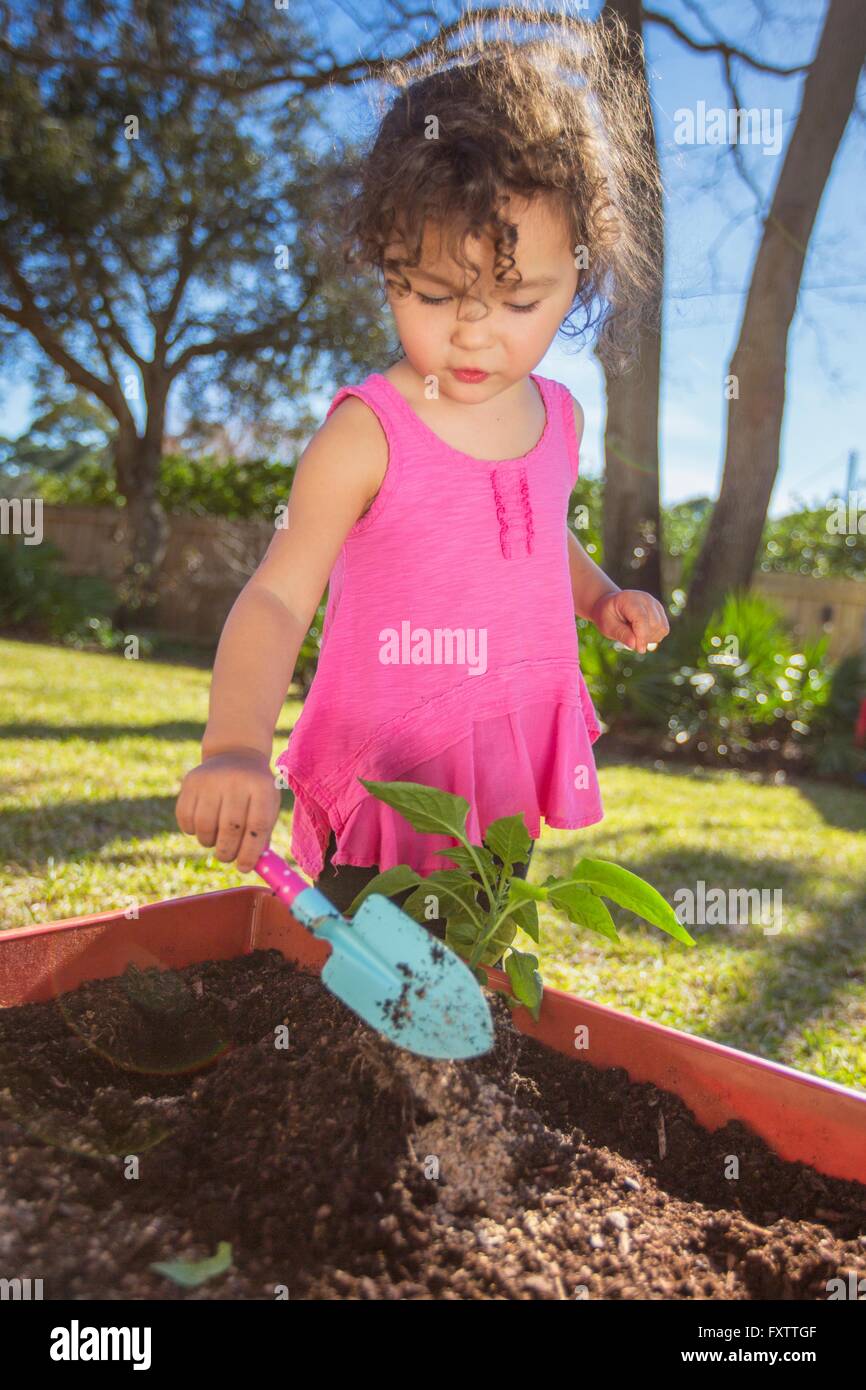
column 340, row 1167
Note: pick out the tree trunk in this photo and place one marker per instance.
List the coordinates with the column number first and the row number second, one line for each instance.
column 631, row 529
column 631, row 525
column 728, row 554
column 137, row 462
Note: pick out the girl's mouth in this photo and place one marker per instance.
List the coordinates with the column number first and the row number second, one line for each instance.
column 468, row 374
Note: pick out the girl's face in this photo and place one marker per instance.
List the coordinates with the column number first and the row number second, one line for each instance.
column 503, row 332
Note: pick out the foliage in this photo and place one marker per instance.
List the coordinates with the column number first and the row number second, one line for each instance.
column 482, row 932
column 175, row 233
column 721, row 686
column 807, row 543
column 191, row 486
column 36, row 597
column 585, row 511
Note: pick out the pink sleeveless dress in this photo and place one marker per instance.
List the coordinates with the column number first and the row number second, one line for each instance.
column 449, row 651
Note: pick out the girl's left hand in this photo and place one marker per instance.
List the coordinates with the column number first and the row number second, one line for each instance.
column 632, row 617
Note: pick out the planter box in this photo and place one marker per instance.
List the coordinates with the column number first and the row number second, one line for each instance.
column 803, row 1118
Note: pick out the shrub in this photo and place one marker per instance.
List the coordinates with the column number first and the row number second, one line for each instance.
column 726, row 687
column 36, row 597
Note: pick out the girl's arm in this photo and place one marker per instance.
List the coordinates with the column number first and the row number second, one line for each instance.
column 339, row 471
column 589, row 583
column 230, row 801
column 629, row 616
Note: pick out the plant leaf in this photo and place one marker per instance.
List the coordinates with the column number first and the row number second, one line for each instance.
column 526, row 918
column 461, row 856
column 499, row 941
column 519, row 891
column 190, row 1273
column 631, row 891
column 392, row 880
column 455, row 886
column 583, row 907
column 509, row 838
column 427, row 808
column 461, row 937
column 522, row 971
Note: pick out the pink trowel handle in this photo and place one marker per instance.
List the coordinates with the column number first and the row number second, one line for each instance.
column 277, row 875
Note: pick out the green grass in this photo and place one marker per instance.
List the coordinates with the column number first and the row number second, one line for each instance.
column 94, row 748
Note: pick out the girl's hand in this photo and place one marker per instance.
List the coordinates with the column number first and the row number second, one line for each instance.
column 632, row 617
column 230, row 802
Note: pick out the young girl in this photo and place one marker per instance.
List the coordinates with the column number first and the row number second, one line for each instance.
column 434, row 497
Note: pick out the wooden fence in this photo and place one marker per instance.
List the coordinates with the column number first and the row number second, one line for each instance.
column 210, row 559
column 207, row 563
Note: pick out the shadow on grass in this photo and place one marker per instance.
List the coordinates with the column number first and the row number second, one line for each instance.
column 842, row 807
column 840, row 803
column 788, row 975
column 175, row 731
column 77, row 830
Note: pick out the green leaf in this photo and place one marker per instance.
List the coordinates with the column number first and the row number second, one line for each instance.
column 480, row 975
column 461, row 856
column 455, row 886
column 390, row 881
column 509, row 838
column 499, row 941
column 190, row 1273
column 583, row 907
column 519, row 891
column 416, row 908
column 522, row 971
column 632, row 892
column 526, row 918
column 461, row 937
column 427, row 808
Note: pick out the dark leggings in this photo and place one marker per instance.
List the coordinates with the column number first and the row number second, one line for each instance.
column 341, row 882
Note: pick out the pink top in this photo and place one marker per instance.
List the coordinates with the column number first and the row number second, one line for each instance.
column 449, row 650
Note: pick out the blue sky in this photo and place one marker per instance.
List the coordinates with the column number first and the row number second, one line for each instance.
column 826, row 406
column 712, row 236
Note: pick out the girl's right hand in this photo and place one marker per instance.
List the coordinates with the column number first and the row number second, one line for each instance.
column 231, row 803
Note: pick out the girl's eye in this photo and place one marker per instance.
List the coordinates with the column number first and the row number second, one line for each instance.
column 515, row 308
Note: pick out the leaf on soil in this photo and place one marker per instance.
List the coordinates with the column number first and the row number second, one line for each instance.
column 190, row 1273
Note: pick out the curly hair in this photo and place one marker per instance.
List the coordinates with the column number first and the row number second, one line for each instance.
column 565, row 116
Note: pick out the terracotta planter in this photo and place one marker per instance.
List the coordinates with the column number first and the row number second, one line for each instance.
column 802, row 1117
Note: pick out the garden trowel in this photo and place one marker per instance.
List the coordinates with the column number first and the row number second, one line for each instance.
column 389, row 970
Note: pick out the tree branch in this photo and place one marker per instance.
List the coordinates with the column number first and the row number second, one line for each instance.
column 29, row 318
column 719, row 45
column 240, row 344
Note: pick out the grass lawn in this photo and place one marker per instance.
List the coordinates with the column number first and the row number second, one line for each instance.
column 92, row 753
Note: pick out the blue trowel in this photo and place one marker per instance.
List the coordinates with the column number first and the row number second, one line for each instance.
column 389, row 970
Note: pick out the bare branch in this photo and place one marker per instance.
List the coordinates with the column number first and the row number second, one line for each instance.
column 720, row 46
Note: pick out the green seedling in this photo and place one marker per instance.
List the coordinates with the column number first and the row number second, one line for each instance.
column 482, row 934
